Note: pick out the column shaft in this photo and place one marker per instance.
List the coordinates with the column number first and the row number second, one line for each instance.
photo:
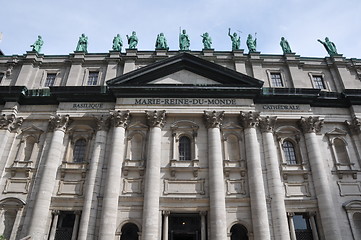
column 53, row 226
column 324, row 196
column 218, row 218
column 88, row 216
column 152, row 186
column 256, row 186
column 292, row 227
column 108, row 222
column 278, row 208
column 165, row 226
column 42, row 202
column 76, row 226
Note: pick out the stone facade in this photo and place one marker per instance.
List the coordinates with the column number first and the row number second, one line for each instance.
column 174, row 145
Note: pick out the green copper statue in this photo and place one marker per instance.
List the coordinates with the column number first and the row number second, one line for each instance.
column 236, row 41
column 330, row 46
column 117, row 43
column 184, row 41
column 37, row 45
column 285, row 46
column 133, row 40
column 82, row 44
column 161, row 42
column 251, row 44
column 207, row 41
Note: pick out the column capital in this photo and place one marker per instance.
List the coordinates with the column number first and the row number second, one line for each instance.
column 102, row 123
column 354, row 125
column 58, row 122
column 311, row 124
column 120, row 118
column 55, row 212
column 166, row 213
column 267, row 123
column 249, row 119
column 290, row 214
column 213, row 119
column 155, row 118
column 203, row 213
column 10, row 122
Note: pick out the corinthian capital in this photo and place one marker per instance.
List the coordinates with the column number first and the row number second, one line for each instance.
column 354, row 125
column 267, row 124
column 213, row 119
column 155, row 118
column 311, row 124
column 10, row 122
column 249, row 119
column 120, row 118
column 103, row 123
column 58, row 122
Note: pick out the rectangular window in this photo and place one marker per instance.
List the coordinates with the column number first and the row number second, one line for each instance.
column 276, row 80
column 318, row 82
column 93, row 78
column 302, row 226
column 50, row 79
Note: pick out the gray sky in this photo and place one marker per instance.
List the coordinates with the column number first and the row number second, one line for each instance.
column 301, row 22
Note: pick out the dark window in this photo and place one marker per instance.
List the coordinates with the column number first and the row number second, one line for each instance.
column 276, row 80
column 318, row 82
column 129, row 232
column 289, row 151
column 93, row 78
column 79, row 150
column 302, row 227
column 184, row 148
column 239, row 232
column 50, row 79
column 64, row 229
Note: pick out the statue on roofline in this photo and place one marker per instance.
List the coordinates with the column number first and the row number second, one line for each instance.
column 161, row 42
column 37, row 45
column 329, row 46
column 236, row 41
column 184, row 41
column 251, row 44
column 82, row 44
column 117, row 43
column 207, row 41
column 285, row 46
column 133, row 40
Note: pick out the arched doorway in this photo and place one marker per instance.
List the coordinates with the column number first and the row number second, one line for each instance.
column 239, row 232
column 129, row 232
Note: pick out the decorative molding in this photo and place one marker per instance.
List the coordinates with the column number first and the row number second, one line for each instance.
column 311, row 124
column 10, row 122
column 120, row 118
column 267, row 124
column 236, row 187
column 213, row 119
column 103, row 123
column 184, row 187
column 155, row 118
column 297, row 189
column 249, row 119
column 132, row 185
column 354, row 125
column 349, row 188
column 58, row 123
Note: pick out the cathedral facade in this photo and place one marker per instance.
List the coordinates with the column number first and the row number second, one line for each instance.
column 170, row 145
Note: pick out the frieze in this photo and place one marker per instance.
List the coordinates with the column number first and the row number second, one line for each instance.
column 184, row 101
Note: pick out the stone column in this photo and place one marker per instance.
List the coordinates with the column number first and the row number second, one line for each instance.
column 217, row 202
column 313, row 226
column 260, row 221
column 108, row 221
column 54, row 225
column 165, row 224
column 156, row 120
column 203, row 226
column 76, row 226
column 88, row 216
column 326, row 206
column 40, row 214
column 292, row 226
column 278, row 208
column 14, row 231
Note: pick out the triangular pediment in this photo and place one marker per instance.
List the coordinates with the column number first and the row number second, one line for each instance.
column 184, row 69
column 184, row 77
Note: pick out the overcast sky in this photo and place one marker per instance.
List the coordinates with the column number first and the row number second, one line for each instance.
column 301, row 22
